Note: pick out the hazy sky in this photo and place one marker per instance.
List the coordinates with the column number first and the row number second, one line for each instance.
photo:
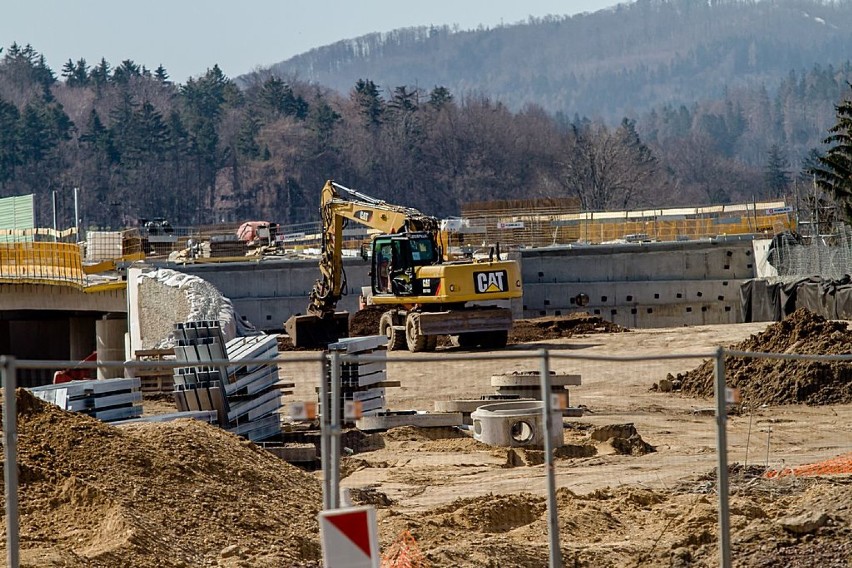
column 187, row 37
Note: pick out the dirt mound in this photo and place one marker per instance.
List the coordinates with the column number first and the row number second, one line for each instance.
column 539, row 329
column 623, row 438
column 415, row 434
column 182, row 493
column 366, row 321
column 776, row 381
column 492, row 514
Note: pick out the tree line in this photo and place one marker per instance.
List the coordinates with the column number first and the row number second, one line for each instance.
column 209, row 151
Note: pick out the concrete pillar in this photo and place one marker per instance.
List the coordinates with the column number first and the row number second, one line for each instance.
column 110, row 344
column 81, row 337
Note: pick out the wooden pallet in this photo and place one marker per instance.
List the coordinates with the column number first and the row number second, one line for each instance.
column 155, row 379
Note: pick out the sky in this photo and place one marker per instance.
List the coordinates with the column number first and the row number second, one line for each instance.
column 188, row 37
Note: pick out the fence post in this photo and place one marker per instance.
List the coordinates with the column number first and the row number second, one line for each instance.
column 324, row 442
column 722, row 453
column 10, row 456
column 334, row 427
column 549, row 468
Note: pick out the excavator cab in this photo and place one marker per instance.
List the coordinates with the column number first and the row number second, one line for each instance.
column 395, row 259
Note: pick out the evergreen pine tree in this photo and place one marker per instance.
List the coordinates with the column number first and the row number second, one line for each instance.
column 834, row 175
column 776, row 174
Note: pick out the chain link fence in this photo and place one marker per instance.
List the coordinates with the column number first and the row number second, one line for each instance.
column 829, row 257
column 625, row 473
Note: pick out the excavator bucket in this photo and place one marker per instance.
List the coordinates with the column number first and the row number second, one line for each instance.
column 313, row 331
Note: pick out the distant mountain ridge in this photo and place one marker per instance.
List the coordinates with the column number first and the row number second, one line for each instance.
column 612, row 63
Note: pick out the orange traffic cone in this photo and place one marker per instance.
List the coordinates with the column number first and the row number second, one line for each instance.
column 404, row 553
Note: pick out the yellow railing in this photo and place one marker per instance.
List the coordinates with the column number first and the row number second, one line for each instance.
column 42, row 263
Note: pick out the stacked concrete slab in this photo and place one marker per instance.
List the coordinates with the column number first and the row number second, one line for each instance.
column 108, row 400
column 244, row 395
column 362, row 381
column 641, row 285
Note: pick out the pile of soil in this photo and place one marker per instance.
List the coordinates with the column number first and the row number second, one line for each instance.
column 366, row 322
column 540, row 329
column 776, row 381
column 182, row 493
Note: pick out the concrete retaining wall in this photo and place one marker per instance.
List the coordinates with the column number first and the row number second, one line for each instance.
column 635, row 285
column 267, row 293
column 641, row 284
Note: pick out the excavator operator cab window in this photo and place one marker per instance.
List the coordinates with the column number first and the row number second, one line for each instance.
column 382, row 256
column 400, row 270
column 422, row 251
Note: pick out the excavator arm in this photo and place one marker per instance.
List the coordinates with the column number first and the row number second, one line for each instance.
column 338, row 205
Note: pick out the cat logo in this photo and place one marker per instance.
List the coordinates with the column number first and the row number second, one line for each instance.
column 364, row 215
column 486, row 282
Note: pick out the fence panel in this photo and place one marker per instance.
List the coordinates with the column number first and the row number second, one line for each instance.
column 634, row 466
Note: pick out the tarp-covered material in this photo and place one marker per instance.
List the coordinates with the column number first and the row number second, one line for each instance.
column 764, row 300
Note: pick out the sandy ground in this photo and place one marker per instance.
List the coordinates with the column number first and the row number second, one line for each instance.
column 614, row 392
column 187, row 494
column 473, row 505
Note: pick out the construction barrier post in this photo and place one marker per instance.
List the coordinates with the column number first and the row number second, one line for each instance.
column 334, row 424
column 10, row 456
column 324, row 431
column 722, row 454
column 549, row 468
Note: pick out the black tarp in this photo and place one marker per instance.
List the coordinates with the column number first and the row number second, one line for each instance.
column 762, row 300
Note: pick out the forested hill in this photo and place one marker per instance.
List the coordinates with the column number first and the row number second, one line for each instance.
column 759, row 84
column 612, row 63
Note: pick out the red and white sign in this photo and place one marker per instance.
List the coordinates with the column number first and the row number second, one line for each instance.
column 349, row 538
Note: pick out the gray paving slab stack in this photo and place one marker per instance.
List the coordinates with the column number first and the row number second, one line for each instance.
column 361, row 380
column 107, row 400
column 243, row 394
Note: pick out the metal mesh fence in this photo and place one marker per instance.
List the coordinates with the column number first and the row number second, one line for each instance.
column 828, row 257
column 41, row 263
column 455, row 456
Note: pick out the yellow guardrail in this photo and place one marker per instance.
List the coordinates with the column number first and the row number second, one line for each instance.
column 42, row 263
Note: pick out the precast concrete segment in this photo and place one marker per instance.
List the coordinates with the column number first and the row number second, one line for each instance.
column 690, row 260
column 462, row 405
column 390, row 420
column 515, row 424
column 533, row 380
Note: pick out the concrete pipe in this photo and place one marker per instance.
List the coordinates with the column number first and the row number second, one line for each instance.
column 515, row 424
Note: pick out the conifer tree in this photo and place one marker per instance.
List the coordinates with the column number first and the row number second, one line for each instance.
column 834, row 175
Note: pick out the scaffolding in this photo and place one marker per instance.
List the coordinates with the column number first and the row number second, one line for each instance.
column 540, row 223
column 41, row 263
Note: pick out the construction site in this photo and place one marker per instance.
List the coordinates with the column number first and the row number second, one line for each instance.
column 527, row 385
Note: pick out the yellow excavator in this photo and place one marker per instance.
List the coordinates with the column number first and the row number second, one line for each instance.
column 426, row 293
